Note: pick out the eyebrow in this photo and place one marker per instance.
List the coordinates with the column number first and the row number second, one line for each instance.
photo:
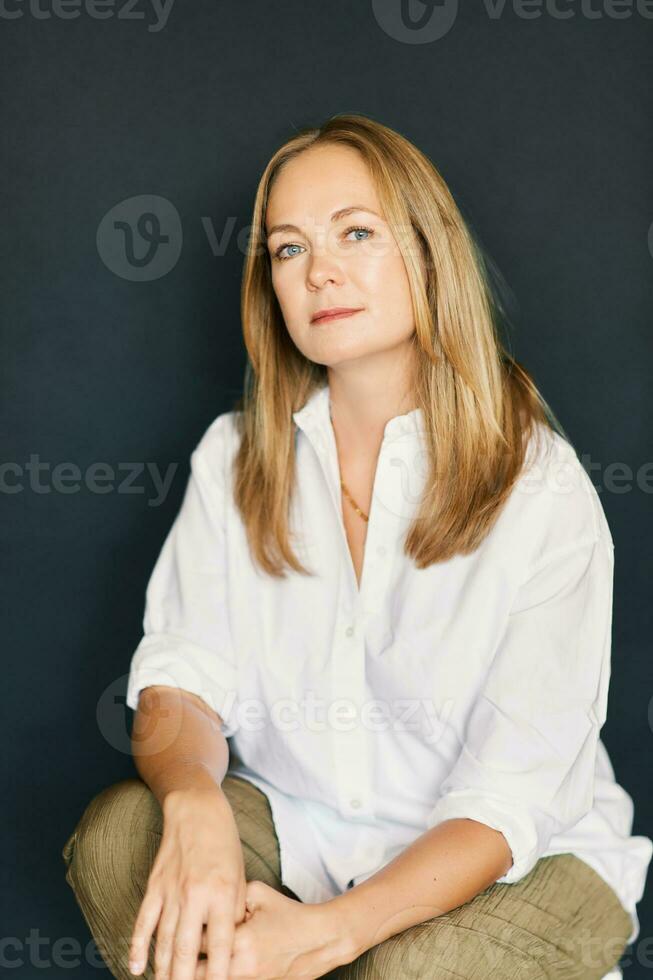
column 340, row 213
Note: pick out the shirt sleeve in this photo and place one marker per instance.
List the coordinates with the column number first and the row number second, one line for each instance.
column 186, row 642
column 527, row 763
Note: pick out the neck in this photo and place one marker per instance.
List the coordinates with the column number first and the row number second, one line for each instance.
column 360, row 413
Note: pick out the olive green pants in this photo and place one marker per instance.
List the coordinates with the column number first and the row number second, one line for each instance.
column 562, row 920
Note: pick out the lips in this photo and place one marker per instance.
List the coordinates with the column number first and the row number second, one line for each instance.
column 335, row 313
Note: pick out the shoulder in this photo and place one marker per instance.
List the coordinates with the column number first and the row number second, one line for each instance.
column 554, row 502
column 217, row 445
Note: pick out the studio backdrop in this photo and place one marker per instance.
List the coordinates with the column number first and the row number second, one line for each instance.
column 133, row 138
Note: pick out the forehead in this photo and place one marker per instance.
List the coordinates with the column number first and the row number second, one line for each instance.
column 319, row 181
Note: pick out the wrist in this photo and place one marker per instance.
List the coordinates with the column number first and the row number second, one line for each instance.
column 191, row 783
column 341, row 943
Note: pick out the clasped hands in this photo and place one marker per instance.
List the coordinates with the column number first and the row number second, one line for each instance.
column 279, row 937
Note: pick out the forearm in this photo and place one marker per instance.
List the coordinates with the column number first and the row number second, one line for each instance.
column 444, row 868
column 177, row 743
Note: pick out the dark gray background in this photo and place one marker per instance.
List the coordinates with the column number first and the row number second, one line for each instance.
column 540, row 125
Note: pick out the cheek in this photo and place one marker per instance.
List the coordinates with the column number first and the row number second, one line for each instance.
column 386, row 281
column 284, row 290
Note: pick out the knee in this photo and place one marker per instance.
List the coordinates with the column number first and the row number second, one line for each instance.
column 109, row 829
column 443, row 947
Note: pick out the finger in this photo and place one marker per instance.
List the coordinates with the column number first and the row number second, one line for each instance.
column 144, row 925
column 165, row 939
column 220, row 933
column 186, row 946
column 255, row 895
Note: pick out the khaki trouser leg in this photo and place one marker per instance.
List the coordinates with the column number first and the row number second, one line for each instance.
column 561, row 921
column 110, row 854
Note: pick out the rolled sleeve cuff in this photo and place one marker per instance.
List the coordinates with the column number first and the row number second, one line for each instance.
column 176, row 662
column 516, row 826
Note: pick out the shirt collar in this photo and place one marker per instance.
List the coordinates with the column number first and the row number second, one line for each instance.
column 315, row 415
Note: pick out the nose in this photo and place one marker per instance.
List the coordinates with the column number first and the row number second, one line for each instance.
column 323, row 269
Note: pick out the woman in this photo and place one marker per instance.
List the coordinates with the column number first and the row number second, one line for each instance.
column 390, row 586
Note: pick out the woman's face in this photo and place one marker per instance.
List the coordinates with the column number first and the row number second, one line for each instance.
column 329, row 260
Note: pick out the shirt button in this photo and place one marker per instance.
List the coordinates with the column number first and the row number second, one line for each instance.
column 349, row 631
column 355, row 803
column 381, row 551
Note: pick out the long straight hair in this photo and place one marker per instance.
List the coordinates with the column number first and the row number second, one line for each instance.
column 480, row 406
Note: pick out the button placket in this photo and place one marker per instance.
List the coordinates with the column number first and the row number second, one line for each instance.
column 351, row 748
column 379, row 541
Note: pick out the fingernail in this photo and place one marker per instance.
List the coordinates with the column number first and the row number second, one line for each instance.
column 134, row 966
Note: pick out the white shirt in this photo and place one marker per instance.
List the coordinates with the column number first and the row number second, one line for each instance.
column 476, row 687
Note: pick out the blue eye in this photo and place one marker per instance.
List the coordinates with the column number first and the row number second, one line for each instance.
column 283, row 258
column 360, row 228
column 278, row 252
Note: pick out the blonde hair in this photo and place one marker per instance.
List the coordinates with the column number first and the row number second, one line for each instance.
column 479, row 404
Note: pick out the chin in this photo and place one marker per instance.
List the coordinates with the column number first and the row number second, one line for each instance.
column 337, row 357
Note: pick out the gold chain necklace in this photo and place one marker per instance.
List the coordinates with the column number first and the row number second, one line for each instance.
column 353, row 502
column 346, row 491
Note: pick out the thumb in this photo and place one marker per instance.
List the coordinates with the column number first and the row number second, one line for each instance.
column 254, row 895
